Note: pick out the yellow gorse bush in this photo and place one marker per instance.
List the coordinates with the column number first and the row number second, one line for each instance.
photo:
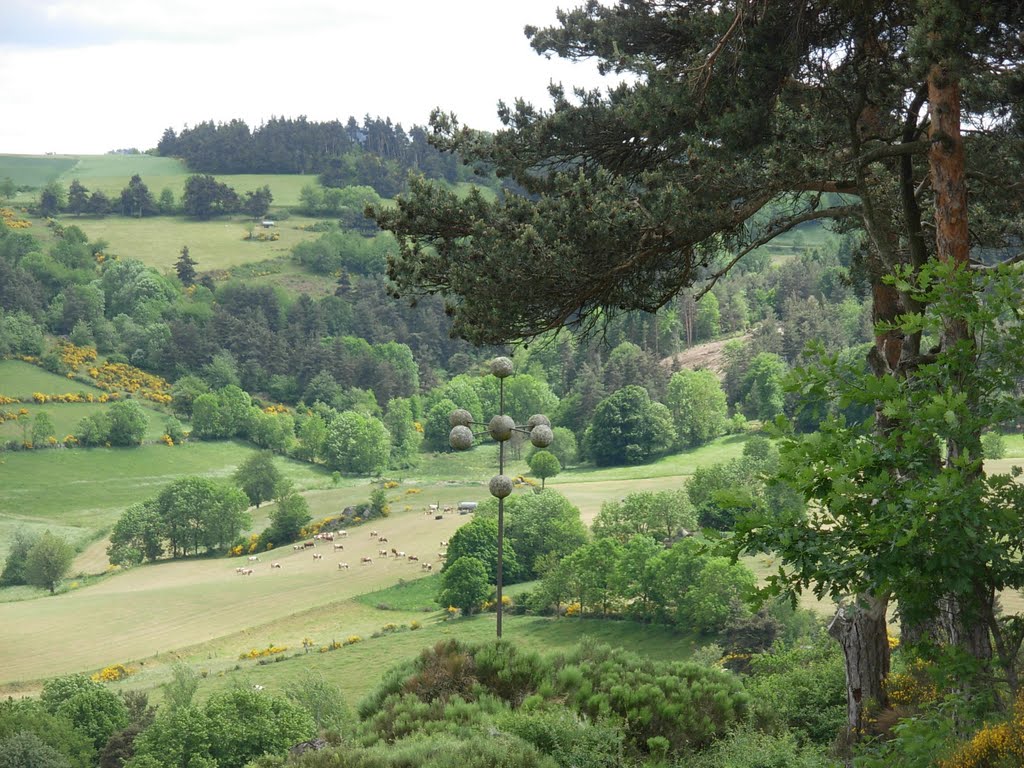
column 994, row 746
column 11, row 220
column 75, row 357
column 113, row 673
column 258, row 653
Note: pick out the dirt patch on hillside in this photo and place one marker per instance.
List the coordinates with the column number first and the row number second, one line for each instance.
column 707, row 356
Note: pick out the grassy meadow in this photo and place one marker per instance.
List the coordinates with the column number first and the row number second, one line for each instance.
column 21, row 380
column 206, row 610
column 208, row 615
column 216, row 244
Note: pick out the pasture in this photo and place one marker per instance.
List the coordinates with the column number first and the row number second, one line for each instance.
column 208, row 614
column 216, row 244
column 203, row 601
column 19, row 379
column 66, row 417
column 34, row 170
column 82, row 491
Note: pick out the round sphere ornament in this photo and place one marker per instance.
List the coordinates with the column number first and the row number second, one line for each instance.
column 541, row 436
column 460, row 438
column 500, row 486
column 501, row 367
column 500, row 427
column 460, row 417
column 538, row 418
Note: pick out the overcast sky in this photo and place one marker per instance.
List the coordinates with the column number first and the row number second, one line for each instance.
column 89, row 76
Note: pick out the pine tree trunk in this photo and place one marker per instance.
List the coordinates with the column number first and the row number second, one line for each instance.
column 860, row 630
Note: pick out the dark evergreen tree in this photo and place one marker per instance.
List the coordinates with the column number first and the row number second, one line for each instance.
column 185, row 266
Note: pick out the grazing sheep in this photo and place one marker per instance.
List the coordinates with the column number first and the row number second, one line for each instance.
column 399, row 553
column 247, row 571
column 413, row 558
column 317, row 556
column 342, row 566
column 338, row 546
column 308, row 544
column 342, row 534
column 373, row 534
column 443, row 543
column 254, row 558
column 275, row 565
column 382, row 552
column 367, row 561
column 239, row 569
column 383, row 540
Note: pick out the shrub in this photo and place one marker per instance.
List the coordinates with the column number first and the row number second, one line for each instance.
column 685, row 703
column 801, row 688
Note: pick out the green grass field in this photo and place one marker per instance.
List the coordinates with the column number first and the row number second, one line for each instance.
column 66, row 417
column 208, row 614
column 84, row 490
column 19, row 379
column 216, row 244
column 34, row 170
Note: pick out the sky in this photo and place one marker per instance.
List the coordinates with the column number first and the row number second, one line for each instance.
column 90, row 76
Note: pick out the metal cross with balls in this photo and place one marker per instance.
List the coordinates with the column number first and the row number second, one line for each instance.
column 500, row 428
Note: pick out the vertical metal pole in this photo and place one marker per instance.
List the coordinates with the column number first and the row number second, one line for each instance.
column 501, row 505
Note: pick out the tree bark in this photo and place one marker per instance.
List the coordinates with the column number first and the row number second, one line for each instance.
column 860, row 630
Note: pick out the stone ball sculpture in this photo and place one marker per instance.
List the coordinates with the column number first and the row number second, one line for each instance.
column 541, row 436
column 500, row 486
column 500, row 427
column 536, row 419
column 460, row 417
column 501, row 367
column 460, row 438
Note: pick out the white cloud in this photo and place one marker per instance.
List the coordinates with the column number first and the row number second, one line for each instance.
column 166, row 64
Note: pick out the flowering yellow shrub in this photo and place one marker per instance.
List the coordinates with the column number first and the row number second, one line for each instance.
column 995, row 745
column 113, row 673
column 11, row 220
column 911, row 687
column 74, row 357
column 276, row 408
column 413, row 490
column 4, row 400
column 572, row 609
column 489, row 605
column 414, row 624
column 257, row 653
column 352, row 640
column 121, row 377
column 391, row 484
column 418, row 427
column 167, row 439
column 331, row 646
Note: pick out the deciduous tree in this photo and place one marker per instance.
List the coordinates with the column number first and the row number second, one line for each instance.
column 544, row 464
column 258, row 477
column 47, row 561
column 464, row 585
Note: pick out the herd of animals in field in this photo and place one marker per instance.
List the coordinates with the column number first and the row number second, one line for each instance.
column 331, row 536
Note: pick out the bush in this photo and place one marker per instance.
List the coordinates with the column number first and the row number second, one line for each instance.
column 686, row 704
column 803, row 689
column 993, row 446
column 749, row 748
